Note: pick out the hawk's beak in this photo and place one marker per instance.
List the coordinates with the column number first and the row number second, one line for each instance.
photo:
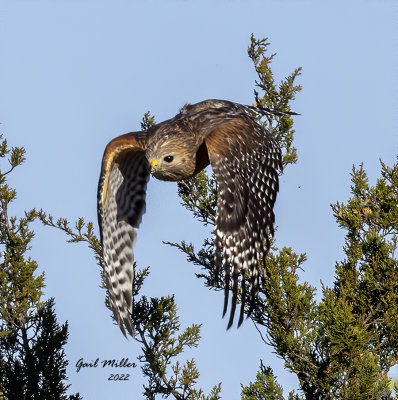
column 155, row 167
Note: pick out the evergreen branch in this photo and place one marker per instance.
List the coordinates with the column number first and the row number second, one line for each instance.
column 343, row 345
column 82, row 232
column 157, row 323
column 32, row 361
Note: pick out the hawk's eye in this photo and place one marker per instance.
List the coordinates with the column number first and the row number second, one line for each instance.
column 168, row 158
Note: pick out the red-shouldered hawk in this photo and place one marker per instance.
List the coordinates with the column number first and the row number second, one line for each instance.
column 245, row 159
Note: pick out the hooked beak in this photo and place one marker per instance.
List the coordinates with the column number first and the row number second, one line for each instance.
column 154, row 166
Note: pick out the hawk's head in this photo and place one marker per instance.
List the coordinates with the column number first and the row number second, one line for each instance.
column 171, row 157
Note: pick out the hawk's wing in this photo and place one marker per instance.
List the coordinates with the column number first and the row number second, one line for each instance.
column 245, row 159
column 121, row 204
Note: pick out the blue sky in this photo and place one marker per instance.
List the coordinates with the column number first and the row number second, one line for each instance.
column 74, row 74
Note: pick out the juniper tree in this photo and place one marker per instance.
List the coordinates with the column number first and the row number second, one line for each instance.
column 340, row 347
column 32, row 359
column 343, row 346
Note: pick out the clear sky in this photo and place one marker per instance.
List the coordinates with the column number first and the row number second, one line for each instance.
column 76, row 73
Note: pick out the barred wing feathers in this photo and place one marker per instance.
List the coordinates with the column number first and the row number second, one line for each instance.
column 245, row 159
column 121, row 204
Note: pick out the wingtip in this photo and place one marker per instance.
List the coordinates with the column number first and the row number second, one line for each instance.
column 130, row 329
column 225, row 304
column 251, row 308
column 242, row 305
column 241, row 318
column 226, row 294
column 125, row 323
column 121, row 327
column 231, row 321
column 232, row 313
column 128, row 324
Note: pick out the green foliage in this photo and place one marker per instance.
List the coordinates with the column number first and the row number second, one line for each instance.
column 157, row 325
column 199, row 195
column 35, row 367
column 275, row 97
column 339, row 347
column 265, row 387
column 148, row 120
column 155, row 320
column 344, row 345
column 81, row 232
column 363, row 304
column 20, row 289
column 32, row 360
